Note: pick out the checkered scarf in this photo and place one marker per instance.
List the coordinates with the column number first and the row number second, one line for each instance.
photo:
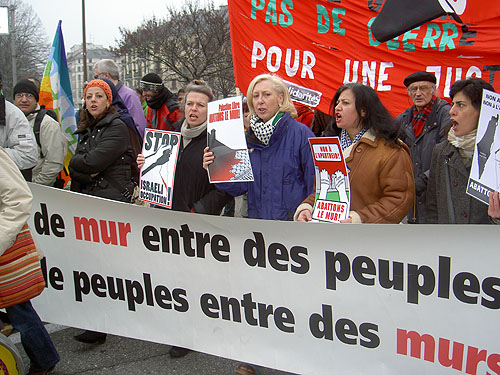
column 264, row 130
column 345, row 140
column 420, row 117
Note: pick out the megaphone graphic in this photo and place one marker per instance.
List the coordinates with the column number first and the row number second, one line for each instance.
column 399, row 16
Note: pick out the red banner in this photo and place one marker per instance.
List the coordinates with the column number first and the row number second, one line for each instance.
column 318, row 45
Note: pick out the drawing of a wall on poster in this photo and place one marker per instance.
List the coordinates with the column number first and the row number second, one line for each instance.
column 160, row 150
column 485, row 171
column 332, row 180
column 226, row 139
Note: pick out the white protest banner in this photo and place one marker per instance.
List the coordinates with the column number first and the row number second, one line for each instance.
column 226, row 139
column 332, row 199
column 160, row 150
column 485, row 171
column 305, row 298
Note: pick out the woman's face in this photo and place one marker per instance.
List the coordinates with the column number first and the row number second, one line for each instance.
column 266, row 101
column 464, row 117
column 346, row 115
column 196, row 109
column 96, row 101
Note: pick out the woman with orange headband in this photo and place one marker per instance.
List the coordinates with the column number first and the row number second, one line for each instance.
column 104, row 160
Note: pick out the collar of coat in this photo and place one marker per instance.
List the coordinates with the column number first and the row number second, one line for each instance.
column 106, row 120
column 369, row 137
column 33, row 114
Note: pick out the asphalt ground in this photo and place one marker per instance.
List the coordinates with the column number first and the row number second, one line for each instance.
column 120, row 355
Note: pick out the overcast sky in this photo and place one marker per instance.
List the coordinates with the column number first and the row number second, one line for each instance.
column 103, row 17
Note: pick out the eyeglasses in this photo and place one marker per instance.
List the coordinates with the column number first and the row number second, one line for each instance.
column 19, row 95
column 424, row 89
column 99, row 75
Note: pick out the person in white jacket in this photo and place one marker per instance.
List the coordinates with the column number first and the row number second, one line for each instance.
column 53, row 145
column 15, row 208
column 15, row 201
column 16, row 135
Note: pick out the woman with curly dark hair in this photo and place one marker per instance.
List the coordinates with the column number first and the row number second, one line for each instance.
column 380, row 169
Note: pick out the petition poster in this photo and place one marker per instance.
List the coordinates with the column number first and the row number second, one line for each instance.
column 157, row 174
column 226, row 139
column 485, row 172
column 332, row 180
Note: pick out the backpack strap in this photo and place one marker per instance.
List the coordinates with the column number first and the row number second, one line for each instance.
column 36, row 127
column 2, row 111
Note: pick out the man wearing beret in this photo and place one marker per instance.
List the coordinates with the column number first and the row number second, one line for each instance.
column 16, row 136
column 52, row 146
column 423, row 126
column 163, row 110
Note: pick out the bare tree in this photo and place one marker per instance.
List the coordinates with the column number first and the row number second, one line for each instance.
column 193, row 43
column 32, row 48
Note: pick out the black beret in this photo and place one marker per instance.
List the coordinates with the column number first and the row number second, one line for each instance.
column 26, row 86
column 419, row 76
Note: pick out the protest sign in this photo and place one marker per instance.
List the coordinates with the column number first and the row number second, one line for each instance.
column 226, row 139
column 332, row 199
column 304, row 298
column 485, row 171
column 160, row 150
column 318, row 45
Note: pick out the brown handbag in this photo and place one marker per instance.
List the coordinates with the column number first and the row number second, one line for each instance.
column 21, row 277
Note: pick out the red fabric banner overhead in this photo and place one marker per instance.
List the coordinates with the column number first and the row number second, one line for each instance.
column 318, row 45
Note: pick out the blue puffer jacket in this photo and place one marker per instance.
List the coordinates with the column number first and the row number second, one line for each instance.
column 283, row 172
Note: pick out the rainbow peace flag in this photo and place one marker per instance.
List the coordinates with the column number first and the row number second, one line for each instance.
column 55, row 91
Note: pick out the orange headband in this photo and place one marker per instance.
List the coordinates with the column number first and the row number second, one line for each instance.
column 101, row 84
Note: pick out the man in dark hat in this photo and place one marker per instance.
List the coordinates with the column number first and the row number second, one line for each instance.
column 163, row 110
column 423, row 126
column 52, row 144
column 16, row 136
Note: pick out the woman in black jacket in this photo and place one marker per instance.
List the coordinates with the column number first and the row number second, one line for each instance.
column 103, row 160
column 193, row 192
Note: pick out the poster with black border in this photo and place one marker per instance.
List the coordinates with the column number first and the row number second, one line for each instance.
column 485, row 171
column 226, row 139
column 160, row 150
column 332, row 195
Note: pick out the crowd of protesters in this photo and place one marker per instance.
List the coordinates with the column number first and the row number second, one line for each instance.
column 412, row 169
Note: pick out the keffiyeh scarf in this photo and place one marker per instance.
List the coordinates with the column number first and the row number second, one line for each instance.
column 264, row 130
column 345, row 140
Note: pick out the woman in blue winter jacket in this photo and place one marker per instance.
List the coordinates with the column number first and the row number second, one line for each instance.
column 281, row 158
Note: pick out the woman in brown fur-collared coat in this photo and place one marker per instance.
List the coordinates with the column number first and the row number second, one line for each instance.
column 380, row 169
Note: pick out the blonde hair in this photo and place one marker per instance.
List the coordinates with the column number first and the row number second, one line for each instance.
column 278, row 86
